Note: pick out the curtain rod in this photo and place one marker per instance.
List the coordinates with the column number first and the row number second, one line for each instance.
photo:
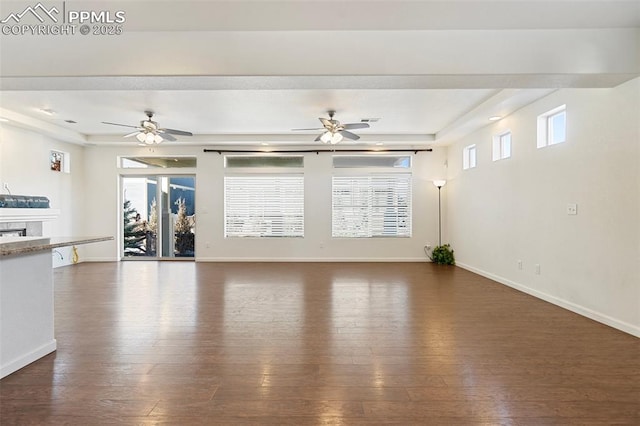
column 317, row 151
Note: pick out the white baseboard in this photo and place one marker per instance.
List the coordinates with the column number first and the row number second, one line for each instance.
column 280, row 259
column 308, row 259
column 578, row 309
column 28, row 358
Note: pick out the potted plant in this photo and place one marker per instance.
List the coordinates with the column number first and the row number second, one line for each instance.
column 443, row 255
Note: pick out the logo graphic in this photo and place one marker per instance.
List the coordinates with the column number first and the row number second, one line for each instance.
column 48, row 20
column 16, row 17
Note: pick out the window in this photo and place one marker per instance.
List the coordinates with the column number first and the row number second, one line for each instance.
column 264, row 196
column 502, row 146
column 552, row 127
column 469, row 157
column 253, row 161
column 60, row 161
column 264, row 206
column 375, row 205
column 359, row 161
column 157, row 162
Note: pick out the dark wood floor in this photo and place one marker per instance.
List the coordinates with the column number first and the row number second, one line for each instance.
column 296, row 344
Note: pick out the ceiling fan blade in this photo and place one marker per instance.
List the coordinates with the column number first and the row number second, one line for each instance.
column 349, row 135
column 326, row 123
column 318, row 138
column 167, row 136
column 356, row 126
column 123, row 125
column 128, row 135
column 317, row 128
column 175, row 132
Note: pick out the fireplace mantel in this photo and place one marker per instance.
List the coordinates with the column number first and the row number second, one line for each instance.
column 28, row 215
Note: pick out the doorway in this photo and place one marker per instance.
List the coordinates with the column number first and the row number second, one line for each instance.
column 158, row 217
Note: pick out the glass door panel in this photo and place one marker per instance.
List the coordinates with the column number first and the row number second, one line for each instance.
column 183, row 208
column 158, row 215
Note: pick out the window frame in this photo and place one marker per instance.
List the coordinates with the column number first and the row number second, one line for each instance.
column 270, row 171
column 499, row 145
column 369, row 175
column 545, row 134
column 466, row 157
column 363, row 164
column 300, row 175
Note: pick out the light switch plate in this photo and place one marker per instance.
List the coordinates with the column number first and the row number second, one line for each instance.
column 572, row 209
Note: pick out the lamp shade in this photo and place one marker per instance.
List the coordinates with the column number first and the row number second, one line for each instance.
column 326, row 137
column 439, row 183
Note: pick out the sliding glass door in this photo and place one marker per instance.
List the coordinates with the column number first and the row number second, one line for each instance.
column 158, row 216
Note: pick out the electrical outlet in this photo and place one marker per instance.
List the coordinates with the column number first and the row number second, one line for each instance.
column 572, row 209
column 520, row 264
column 537, row 269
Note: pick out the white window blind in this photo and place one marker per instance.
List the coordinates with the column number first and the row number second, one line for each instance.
column 372, row 206
column 264, row 206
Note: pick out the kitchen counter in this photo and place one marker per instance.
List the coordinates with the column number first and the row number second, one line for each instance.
column 26, row 298
column 19, row 245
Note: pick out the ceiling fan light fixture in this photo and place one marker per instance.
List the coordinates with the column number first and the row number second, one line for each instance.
column 149, row 132
column 326, row 137
column 336, row 138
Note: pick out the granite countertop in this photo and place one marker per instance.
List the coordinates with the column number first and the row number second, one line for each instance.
column 21, row 245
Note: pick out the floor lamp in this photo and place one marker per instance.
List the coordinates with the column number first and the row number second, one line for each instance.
column 439, row 184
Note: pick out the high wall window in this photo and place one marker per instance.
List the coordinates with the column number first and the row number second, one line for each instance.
column 502, row 146
column 60, row 161
column 469, row 157
column 552, row 127
column 373, row 204
column 265, row 201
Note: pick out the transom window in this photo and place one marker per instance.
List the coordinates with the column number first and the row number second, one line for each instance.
column 469, row 157
column 360, row 161
column 262, row 161
column 502, row 146
column 157, row 162
column 552, row 127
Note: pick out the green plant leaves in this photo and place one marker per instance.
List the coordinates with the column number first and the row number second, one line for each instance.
column 443, row 255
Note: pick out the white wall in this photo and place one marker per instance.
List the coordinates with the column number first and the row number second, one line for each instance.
column 102, row 201
column 25, row 167
column 515, row 209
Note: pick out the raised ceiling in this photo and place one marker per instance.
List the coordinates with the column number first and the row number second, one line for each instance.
column 249, row 72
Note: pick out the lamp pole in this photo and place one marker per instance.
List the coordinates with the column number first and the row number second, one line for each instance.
column 439, row 219
column 439, row 184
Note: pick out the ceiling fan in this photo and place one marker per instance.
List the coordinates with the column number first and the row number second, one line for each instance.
column 334, row 132
column 149, row 133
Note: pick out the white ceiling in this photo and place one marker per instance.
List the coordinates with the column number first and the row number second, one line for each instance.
column 238, row 72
